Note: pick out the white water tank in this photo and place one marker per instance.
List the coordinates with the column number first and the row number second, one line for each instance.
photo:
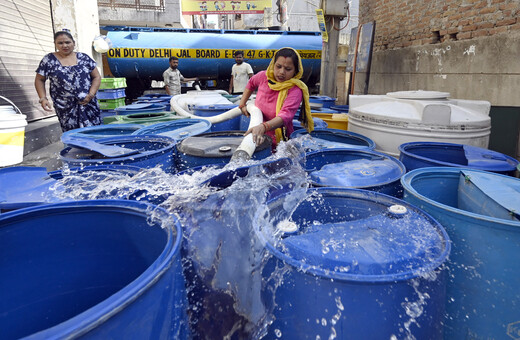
column 414, row 116
column 193, row 98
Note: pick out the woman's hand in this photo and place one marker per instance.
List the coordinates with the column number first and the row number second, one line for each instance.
column 46, row 104
column 87, row 99
column 244, row 110
column 258, row 133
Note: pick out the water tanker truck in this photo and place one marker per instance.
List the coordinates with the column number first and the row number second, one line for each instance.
column 140, row 54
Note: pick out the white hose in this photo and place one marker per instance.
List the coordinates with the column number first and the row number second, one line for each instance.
column 247, row 147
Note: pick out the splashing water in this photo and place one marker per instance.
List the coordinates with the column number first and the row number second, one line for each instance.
column 226, row 230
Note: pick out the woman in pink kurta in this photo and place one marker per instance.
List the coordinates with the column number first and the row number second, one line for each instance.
column 280, row 79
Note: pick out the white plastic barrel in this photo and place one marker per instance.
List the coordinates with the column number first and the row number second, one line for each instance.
column 12, row 134
column 414, row 116
column 192, row 98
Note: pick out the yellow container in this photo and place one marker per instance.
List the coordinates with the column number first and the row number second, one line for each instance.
column 12, row 133
column 333, row 120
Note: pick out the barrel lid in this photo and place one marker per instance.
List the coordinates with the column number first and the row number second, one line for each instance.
column 352, row 168
column 363, row 236
column 216, row 144
column 216, row 107
column 100, row 131
column 321, row 98
column 490, row 160
column 419, row 94
column 496, row 196
column 177, row 129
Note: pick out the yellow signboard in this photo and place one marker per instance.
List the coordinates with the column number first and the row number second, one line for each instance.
column 198, row 7
column 199, row 53
column 323, row 26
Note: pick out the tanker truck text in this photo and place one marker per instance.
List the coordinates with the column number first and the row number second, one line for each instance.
column 199, row 53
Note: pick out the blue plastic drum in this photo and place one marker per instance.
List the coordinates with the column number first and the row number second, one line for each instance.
column 215, row 110
column 340, row 108
column 359, row 169
column 150, row 151
column 215, row 148
column 177, row 130
column 91, row 269
column 480, row 213
column 334, row 138
column 140, row 108
column 427, row 154
column 100, row 131
column 352, row 263
column 318, row 123
column 22, row 187
column 321, row 101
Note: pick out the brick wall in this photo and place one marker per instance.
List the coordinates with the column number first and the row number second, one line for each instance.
column 403, row 23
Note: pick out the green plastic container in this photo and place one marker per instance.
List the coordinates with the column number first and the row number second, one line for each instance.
column 112, row 83
column 143, row 118
column 110, row 104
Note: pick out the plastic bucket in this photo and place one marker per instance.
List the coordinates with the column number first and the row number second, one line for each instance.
column 92, row 269
column 101, row 131
column 358, row 169
column 416, row 155
column 334, row 138
column 178, row 129
column 214, row 110
column 152, row 151
column 146, row 118
column 23, row 187
column 215, row 148
column 12, row 133
column 484, row 265
column 352, row 263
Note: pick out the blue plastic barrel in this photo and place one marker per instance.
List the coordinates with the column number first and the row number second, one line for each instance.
column 91, row 269
column 152, row 96
column 359, row 169
column 334, row 138
column 178, row 129
column 101, row 131
column 165, row 102
column 427, row 154
column 140, row 108
column 353, row 263
column 215, row 148
column 340, row 108
column 152, row 151
column 482, row 294
column 22, row 187
column 321, row 101
column 214, row 110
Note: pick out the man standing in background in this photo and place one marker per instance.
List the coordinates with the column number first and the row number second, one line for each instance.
column 173, row 78
column 240, row 74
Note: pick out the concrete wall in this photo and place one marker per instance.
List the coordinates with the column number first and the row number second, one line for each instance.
column 171, row 17
column 469, row 48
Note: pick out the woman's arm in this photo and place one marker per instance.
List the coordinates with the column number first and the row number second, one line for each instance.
column 245, row 97
column 96, row 82
column 39, row 84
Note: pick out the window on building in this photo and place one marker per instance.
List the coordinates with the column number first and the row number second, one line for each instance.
column 151, row 5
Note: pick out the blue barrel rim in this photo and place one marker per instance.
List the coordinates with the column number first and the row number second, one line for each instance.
column 358, row 136
column 110, row 307
column 125, row 139
column 403, row 150
column 381, row 198
column 58, row 174
column 153, row 115
column 215, row 107
column 406, row 182
column 150, row 129
column 365, row 151
column 83, row 132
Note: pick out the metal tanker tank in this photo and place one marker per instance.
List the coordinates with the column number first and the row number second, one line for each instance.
column 143, row 52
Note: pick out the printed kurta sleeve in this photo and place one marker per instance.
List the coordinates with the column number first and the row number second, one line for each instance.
column 43, row 68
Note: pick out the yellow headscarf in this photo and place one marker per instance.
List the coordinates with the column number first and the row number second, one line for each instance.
column 283, row 90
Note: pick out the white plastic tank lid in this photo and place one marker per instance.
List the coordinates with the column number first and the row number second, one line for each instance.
column 419, row 94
